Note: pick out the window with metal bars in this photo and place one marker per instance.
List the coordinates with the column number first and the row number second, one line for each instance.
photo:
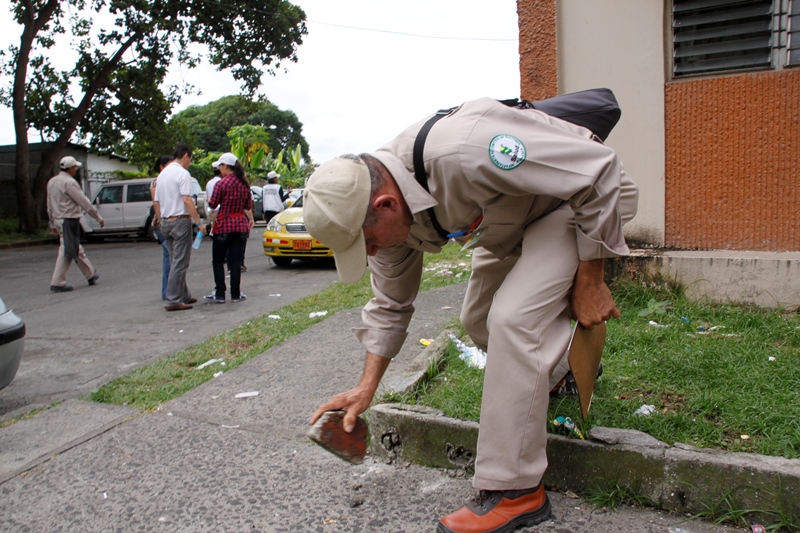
column 730, row 35
column 793, row 55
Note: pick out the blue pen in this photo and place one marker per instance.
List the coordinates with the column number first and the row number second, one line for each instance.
column 466, row 232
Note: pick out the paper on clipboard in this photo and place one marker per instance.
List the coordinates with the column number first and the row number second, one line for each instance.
column 584, row 353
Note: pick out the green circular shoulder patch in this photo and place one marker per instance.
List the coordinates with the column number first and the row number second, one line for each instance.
column 506, row 151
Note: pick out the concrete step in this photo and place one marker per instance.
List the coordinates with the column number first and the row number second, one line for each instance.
column 762, row 279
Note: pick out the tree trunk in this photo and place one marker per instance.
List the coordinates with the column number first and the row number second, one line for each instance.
column 27, row 205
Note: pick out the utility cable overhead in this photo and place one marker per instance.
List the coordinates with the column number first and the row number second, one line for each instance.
column 411, row 34
column 405, row 34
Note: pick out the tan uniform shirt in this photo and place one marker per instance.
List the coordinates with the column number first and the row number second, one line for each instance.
column 508, row 165
column 65, row 199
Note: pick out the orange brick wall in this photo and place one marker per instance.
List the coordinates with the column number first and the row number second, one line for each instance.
column 733, row 162
column 538, row 52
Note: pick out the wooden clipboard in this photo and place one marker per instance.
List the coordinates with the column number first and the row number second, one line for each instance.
column 584, row 353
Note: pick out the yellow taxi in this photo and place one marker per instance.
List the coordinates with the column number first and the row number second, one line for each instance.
column 286, row 238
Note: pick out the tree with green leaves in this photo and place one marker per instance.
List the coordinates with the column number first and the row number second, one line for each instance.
column 207, row 126
column 120, row 68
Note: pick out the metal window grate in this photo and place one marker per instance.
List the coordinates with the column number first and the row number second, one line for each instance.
column 794, row 34
column 722, row 35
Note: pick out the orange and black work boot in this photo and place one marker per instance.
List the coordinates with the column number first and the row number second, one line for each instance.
column 498, row 511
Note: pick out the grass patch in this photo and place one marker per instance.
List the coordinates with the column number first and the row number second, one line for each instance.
column 723, row 377
column 9, row 231
column 720, row 376
column 729, row 509
column 148, row 387
column 611, row 495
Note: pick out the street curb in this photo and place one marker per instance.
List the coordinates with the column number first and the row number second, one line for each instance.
column 678, row 478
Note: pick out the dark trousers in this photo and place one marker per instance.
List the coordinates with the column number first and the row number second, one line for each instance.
column 230, row 245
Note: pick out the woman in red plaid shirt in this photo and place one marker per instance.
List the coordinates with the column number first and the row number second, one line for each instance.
column 232, row 226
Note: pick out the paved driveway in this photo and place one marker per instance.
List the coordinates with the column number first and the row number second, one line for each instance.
column 79, row 340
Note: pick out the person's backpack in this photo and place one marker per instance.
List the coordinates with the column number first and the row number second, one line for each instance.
column 594, row 109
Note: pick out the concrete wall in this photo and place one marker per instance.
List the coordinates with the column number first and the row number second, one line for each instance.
column 620, row 45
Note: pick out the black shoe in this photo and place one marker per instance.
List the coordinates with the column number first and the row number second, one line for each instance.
column 240, row 298
column 93, row 279
column 60, row 288
column 567, row 385
column 213, row 299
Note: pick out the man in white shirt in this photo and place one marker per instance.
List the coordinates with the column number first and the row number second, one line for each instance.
column 272, row 196
column 175, row 212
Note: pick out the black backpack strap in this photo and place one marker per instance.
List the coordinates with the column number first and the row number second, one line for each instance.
column 419, row 164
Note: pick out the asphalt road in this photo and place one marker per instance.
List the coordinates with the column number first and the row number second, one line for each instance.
column 79, row 340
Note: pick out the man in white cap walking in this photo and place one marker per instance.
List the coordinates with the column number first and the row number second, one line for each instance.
column 542, row 205
column 66, row 203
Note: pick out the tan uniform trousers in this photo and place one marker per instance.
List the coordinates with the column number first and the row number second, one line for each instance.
column 518, row 310
column 59, row 278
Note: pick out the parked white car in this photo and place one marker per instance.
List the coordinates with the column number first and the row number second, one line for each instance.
column 125, row 208
column 12, row 344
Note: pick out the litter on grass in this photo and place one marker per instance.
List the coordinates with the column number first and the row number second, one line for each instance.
column 568, row 424
column 472, row 355
column 276, row 317
column 315, row 314
column 646, row 410
column 208, row 363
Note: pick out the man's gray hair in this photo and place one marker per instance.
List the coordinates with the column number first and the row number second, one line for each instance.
column 376, row 182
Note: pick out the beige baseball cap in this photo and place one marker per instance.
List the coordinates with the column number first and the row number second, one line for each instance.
column 335, row 202
column 69, row 162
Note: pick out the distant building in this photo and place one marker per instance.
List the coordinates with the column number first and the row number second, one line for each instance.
column 97, row 169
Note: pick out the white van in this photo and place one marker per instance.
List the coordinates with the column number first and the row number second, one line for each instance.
column 125, row 208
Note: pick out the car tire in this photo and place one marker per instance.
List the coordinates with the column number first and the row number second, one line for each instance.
column 282, row 262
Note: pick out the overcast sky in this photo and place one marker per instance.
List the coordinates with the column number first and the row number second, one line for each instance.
column 367, row 69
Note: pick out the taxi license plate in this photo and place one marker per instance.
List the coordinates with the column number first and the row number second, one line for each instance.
column 301, row 245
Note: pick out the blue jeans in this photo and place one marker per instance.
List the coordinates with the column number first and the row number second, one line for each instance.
column 164, row 270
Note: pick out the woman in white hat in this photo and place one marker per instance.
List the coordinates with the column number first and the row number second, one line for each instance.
column 232, row 226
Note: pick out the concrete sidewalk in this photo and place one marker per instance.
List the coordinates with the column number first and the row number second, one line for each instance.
column 210, row 462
